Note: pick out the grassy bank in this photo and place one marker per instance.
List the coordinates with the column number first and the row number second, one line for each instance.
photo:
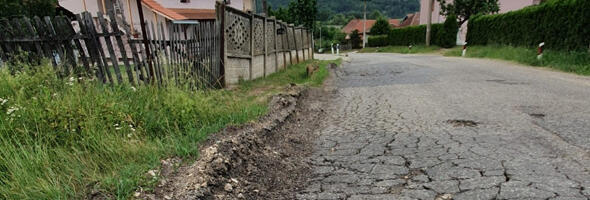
column 64, row 139
column 401, row 49
column 576, row 62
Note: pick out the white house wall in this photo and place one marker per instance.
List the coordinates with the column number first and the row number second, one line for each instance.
column 198, row 4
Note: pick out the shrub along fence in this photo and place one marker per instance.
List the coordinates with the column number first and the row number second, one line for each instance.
column 413, row 35
column 561, row 24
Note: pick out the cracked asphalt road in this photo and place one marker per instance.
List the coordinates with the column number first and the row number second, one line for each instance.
column 525, row 132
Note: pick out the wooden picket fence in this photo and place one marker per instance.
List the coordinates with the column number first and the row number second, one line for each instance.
column 100, row 47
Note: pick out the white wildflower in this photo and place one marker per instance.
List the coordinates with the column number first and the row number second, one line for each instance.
column 132, row 129
column 3, row 101
column 133, row 88
column 71, row 81
column 129, row 135
column 118, row 128
column 12, row 110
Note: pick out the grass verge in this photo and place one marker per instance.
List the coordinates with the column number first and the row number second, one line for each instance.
column 65, row 139
column 575, row 62
column 401, row 49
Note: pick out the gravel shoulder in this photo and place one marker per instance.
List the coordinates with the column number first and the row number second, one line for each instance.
column 260, row 160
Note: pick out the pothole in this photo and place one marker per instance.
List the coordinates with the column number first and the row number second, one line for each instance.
column 460, row 122
column 537, row 115
column 500, row 81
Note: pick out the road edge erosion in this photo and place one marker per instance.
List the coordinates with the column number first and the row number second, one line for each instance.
column 264, row 159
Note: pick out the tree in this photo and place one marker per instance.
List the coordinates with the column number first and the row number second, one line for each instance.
column 447, row 35
column 30, row 8
column 355, row 39
column 339, row 19
column 281, row 14
column 299, row 12
column 381, row 27
column 304, row 12
column 376, row 15
column 464, row 9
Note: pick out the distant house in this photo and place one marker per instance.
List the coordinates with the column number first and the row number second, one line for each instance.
column 357, row 24
column 505, row 6
column 411, row 19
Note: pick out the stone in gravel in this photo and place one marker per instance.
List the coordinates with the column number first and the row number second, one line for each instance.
column 228, row 187
column 444, row 197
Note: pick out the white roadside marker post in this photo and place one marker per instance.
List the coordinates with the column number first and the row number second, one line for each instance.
column 540, row 51
column 337, row 49
column 410, row 48
column 332, row 47
column 464, row 50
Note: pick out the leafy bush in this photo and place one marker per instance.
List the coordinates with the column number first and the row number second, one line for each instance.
column 413, row 35
column 447, row 36
column 378, row 41
column 30, row 8
column 356, row 39
column 381, row 27
column 561, row 24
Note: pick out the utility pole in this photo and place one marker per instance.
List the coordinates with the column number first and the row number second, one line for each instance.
column 365, row 25
column 264, row 7
column 429, row 22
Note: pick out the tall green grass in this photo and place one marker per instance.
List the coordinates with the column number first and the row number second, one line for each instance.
column 65, row 139
column 569, row 61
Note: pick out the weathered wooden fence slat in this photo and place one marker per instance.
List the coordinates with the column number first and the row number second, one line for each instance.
column 121, row 45
column 109, row 44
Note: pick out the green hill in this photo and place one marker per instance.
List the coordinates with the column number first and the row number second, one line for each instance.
column 354, row 8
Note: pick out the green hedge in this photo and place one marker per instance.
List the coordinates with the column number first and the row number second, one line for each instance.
column 561, row 24
column 378, row 41
column 415, row 35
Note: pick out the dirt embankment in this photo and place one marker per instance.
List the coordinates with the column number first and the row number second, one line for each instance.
column 260, row 160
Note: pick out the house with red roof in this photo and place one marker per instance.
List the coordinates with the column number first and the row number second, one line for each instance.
column 357, row 24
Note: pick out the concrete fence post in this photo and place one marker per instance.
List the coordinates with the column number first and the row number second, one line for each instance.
column 251, row 44
column 264, row 38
